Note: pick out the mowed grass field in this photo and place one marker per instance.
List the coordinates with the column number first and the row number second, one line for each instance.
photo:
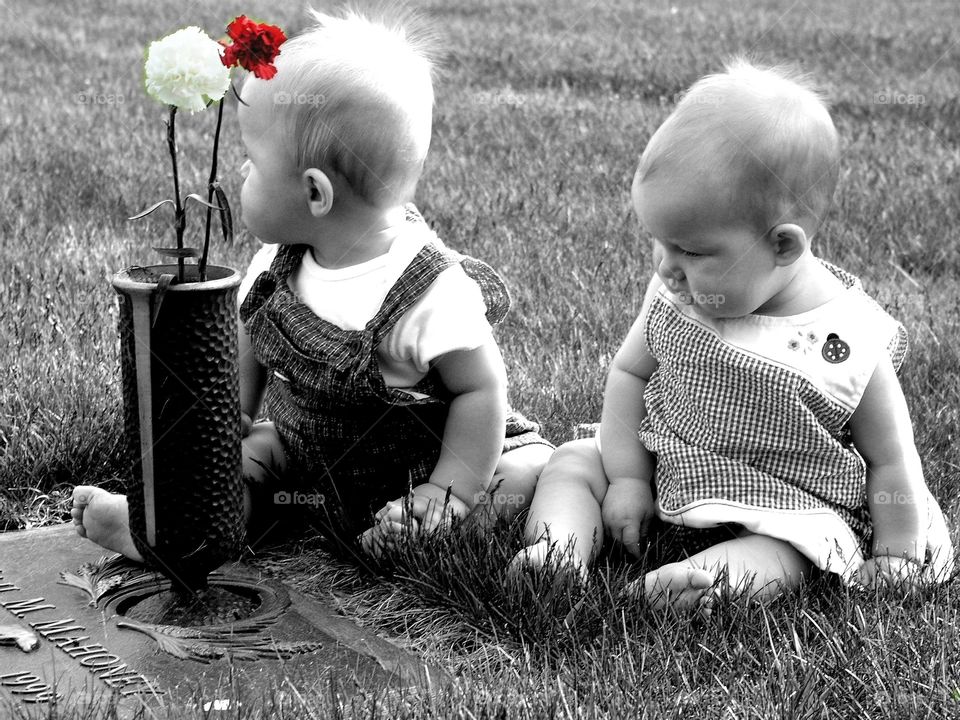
column 542, row 110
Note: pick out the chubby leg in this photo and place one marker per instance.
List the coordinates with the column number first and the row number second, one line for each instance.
column 104, row 517
column 511, row 489
column 761, row 565
column 565, row 512
column 264, row 463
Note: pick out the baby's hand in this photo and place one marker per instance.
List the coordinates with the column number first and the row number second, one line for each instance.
column 407, row 516
column 891, row 572
column 418, row 512
column 390, row 527
column 627, row 511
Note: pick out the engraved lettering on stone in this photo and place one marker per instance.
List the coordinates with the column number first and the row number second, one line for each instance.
column 20, row 678
column 22, row 607
column 43, row 697
column 120, row 677
column 62, row 644
column 96, row 657
column 53, row 628
column 5, row 586
column 85, row 650
column 24, row 683
column 99, row 658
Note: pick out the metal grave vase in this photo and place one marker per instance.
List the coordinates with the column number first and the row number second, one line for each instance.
column 181, row 401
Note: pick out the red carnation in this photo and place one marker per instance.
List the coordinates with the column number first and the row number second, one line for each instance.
column 255, row 46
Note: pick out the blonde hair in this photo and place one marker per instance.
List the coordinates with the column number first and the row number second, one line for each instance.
column 359, row 95
column 761, row 137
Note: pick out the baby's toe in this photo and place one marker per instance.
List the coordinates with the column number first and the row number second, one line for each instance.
column 677, row 586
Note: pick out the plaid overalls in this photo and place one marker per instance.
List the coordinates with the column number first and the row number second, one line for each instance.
column 345, row 432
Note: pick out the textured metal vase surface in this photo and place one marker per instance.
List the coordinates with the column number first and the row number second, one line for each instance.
column 181, row 397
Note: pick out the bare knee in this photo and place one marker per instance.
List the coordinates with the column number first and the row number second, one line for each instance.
column 576, row 462
column 264, row 459
column 516, row 476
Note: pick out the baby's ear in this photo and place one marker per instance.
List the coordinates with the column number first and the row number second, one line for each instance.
column 319, row 191
column 789, row 243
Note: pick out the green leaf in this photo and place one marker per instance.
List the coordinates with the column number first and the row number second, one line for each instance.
column 177, row 252
column 163, row 284
column 151, row 209
column 197, row 198
column 226, row 218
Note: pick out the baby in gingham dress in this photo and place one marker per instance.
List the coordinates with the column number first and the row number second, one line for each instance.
column 753, row 412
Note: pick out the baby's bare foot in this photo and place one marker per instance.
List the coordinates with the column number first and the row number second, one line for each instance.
column 104, row 518
column 677, row 586
column 538, row 556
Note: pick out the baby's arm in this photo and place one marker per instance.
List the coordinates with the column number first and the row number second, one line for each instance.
column 472, row 441
column 473, row 434
column 628, row 504
column 253, row 380
column 896, row 491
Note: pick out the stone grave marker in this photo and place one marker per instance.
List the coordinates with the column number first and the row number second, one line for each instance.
column 72, row 625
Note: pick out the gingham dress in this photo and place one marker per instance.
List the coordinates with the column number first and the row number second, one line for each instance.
column 749, row 419
column 346, row 434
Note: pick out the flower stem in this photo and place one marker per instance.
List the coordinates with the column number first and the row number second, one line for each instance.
column 210, row 184
column 179, row 217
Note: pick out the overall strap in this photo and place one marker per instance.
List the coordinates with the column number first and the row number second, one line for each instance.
column 286, row 260
column 413, row 282
column 496, row 297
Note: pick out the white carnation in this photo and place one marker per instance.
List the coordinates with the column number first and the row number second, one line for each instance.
column 184, row 69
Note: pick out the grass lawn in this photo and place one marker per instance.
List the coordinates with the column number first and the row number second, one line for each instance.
column 542, row 110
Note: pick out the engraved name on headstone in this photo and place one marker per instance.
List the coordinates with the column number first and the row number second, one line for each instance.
column 69, row 628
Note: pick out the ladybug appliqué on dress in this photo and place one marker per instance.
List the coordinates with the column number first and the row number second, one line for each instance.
column 835, row 350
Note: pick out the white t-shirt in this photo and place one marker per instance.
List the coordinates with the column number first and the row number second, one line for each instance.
column 449, row 316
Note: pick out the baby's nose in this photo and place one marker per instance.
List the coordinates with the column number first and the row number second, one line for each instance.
column 671, row 276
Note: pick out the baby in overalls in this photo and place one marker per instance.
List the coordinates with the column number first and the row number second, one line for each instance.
column 369, row 341
column 753, row 412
